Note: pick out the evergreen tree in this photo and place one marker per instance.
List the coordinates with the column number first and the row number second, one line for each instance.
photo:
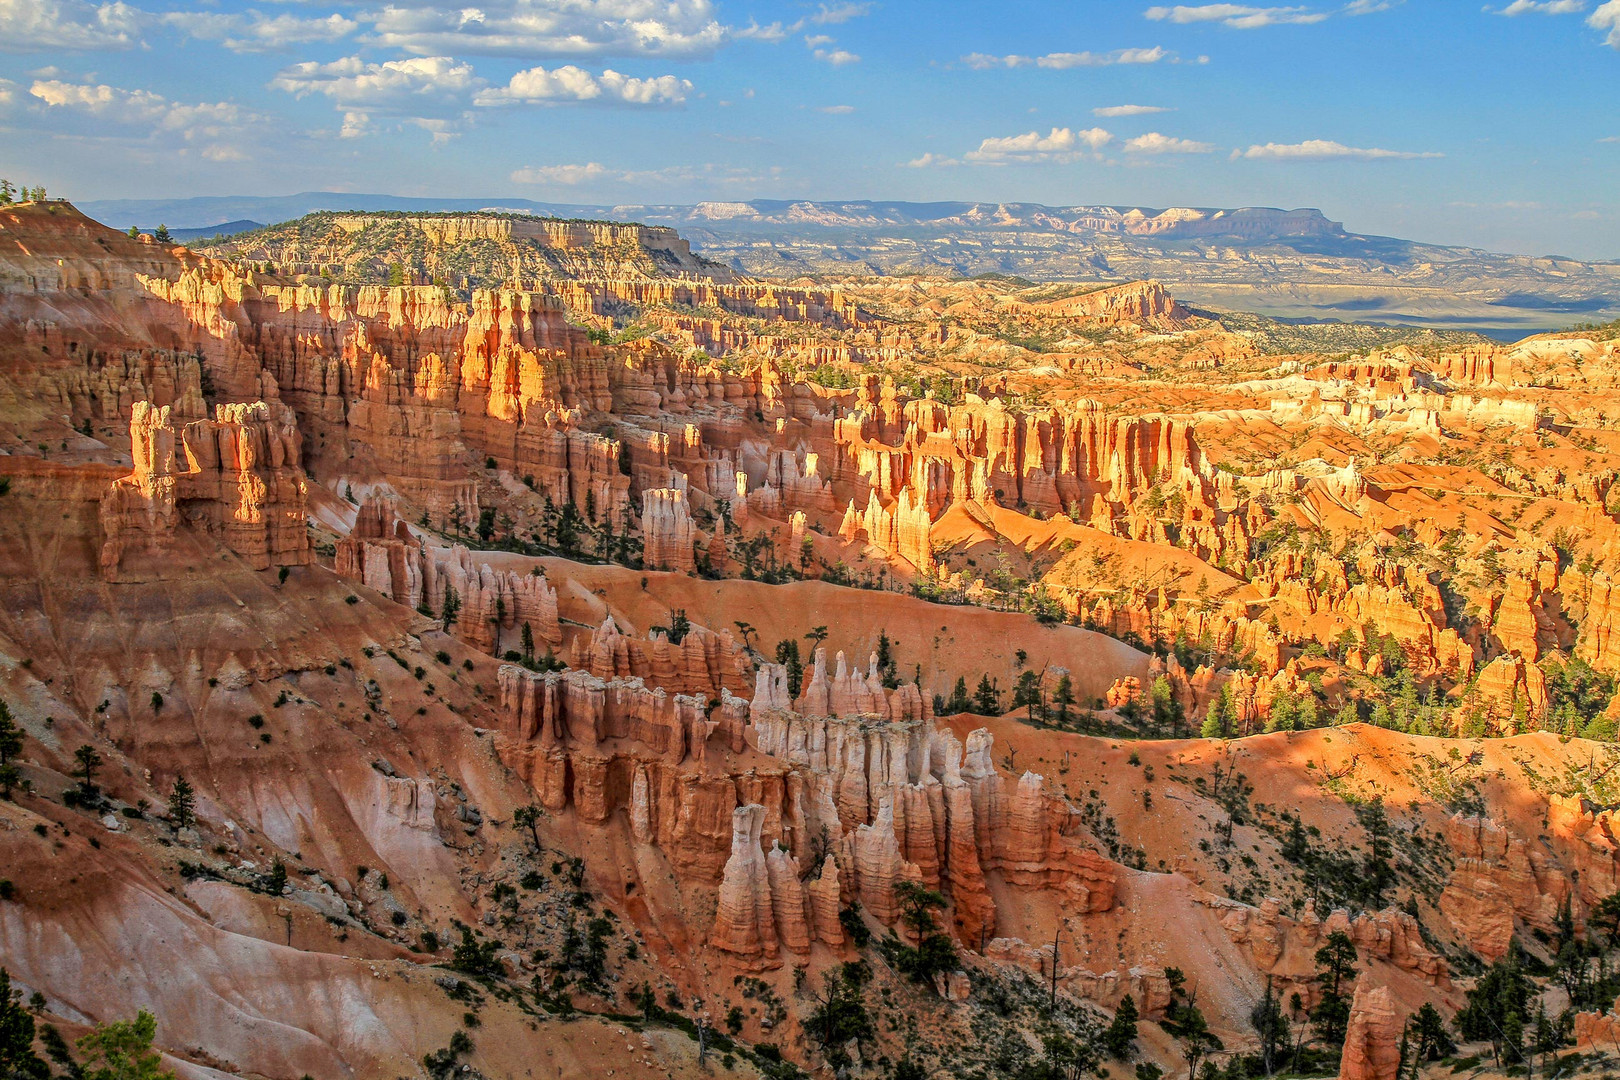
column 17, row 1057
column 1335, row 966
column 8, row 193
column 451, row 606
column 162, row 235
column 1498, row 1006
column 11, row 736
column 1270, row 1026
column 1027, row 694
column 1218, row 721
column 1063, row 698
column 1167, row 711
column 1119, row 1037
column 987, row 699
column 182, row 804
column 89, row 761
column 123, row 1051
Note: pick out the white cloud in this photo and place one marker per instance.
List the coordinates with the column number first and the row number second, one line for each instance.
column 218, row 129
column 1061, row 61
column 1607, row 17
column 1326, row 150
column 1610, row 138
column 33, row 25
column 1060, row 145
column 774, row 32
column 821, row 47
column 839, row 13
column 537, row 86
column 1154, row 143
column 395, row 84
column 1544, row 7
column 251, row 32
column 1237, row 16
column 931, row 161
column 1128, row 110
column 536, row 28
column 771, row 32
column 836, row 110
column 427, row 92
column 560, row 174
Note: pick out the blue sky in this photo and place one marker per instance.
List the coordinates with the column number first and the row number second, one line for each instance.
column 1495, row 125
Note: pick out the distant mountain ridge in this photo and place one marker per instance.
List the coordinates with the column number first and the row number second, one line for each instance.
column 1297, row 264
column 202, row 213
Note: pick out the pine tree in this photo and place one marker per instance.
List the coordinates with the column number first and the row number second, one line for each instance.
column 1119, row 1038
column 1063, row 697
column 89, row 761
column 162, row 235
column 1271, row 1026
column 123, row 1051
column 1218, row 721
column 987, row 699
column 1335, row 964
column 11, row 736
column 17, row 1058
column 182, row 804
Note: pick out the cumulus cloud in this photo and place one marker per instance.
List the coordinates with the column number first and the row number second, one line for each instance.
column 1237, row 16
column 1128, row 110
column 1326, row 150
column 1543, row 7
column 1155, row 143
column 931, row 161
column 821, row 47
column 217, row 129
column 352, row 81
column 1607, row 17
column 33, row 25
column 836, row 110
column 537, row 86
column 1060, row 61
column 428, row 92
column 251, row 32
column 560, row 174
column 1059, row 145
column 535, row 28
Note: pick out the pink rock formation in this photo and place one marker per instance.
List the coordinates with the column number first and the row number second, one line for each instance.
column 744, row 924
column 236, row 476
column 1372, row 1044
column 667, row 530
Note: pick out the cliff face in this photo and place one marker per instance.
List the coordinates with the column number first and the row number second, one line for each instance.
column 794, row 809
column 235, row 476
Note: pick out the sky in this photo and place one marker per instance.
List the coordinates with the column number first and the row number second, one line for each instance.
column 1494, row 126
